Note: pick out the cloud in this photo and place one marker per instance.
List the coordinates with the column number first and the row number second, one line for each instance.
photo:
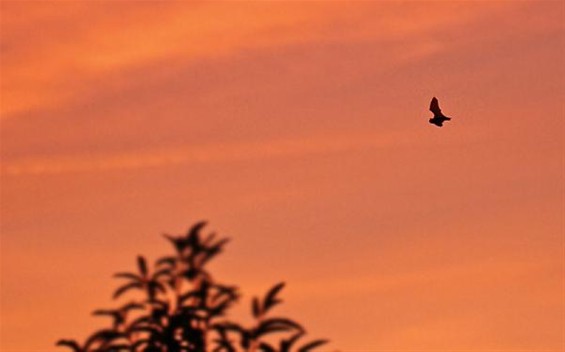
column 289, row 148
column 496, row 302
column 52, row 53
column 486, row 271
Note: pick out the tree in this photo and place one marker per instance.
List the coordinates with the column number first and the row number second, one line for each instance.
column 182, row 308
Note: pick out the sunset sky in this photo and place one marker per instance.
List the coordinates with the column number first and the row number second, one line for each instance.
column 299, row 130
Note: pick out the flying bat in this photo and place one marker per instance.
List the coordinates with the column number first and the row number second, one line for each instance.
column 438, row 118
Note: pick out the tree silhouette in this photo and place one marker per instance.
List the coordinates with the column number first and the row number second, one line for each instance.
column 180, row 307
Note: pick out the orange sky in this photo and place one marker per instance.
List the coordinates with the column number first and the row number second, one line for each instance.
column 299, row 130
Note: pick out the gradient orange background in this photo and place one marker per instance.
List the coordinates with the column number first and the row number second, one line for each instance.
column 300, row 130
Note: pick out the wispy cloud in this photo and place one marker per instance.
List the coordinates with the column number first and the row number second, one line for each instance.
column 217, row 153
column 484, row 271
column 119, row 37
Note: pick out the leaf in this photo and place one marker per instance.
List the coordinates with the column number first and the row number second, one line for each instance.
column 178, row 242
column 228, row 326
column 245, row 340
column 158, row 304
column 148, row 329
column 171, row 261
column 69, row 343
column 255, row 307
column 141, row 320
column 224, row 346
column 265, row 347
column 135, row 346
column 214, row 250
column 224, row 291
column 193, row 236
column 310, row 346
column 191, row 273
column 142, row 265
column 286, row 344
column 209, row 239
column 271, row 297
column 105, row 335
column 206, row 256
column 153, row 287
column 190, row 294
column 142, row 324
column 104, row 312
column 127, row 287
column 130, row 276
column 271, row 325
column 221, row 243
column 195, row 229
column 220, row 308
column 163, row 272
column 117, row 348
column 132, row 305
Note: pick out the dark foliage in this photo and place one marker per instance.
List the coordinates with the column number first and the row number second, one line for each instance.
column 183, row 309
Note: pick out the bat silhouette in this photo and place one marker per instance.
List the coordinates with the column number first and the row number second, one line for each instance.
column 438, row 118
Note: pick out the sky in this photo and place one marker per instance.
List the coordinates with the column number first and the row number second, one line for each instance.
column 299, row 130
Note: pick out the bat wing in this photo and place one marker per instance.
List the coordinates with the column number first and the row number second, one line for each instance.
column 434, row 107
